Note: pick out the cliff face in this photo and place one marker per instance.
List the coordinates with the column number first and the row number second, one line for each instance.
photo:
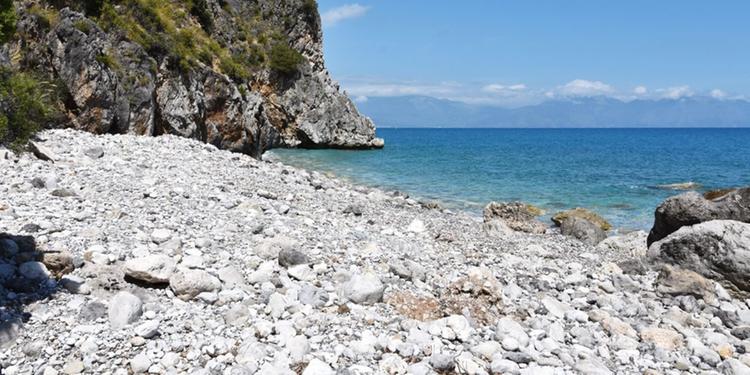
column 240, row 74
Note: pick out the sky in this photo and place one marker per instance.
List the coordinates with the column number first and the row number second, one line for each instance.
column 513, row 53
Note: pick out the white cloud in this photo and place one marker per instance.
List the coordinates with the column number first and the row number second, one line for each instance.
column 496, row 88
column 398, row 89
column 718, row 94
column 582, row 87
column 361, row 99
column 675, row 92
column 640, row 90
column 344, row 12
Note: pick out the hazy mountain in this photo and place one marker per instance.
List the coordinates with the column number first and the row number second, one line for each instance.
column 423, row 111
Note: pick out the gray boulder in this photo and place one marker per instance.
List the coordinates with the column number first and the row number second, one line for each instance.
column 718, row 249
column 583, row 230
column 291, row 257
column 692, row 208
column 517, row 216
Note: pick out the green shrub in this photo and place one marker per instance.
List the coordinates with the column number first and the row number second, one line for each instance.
column 284, row 59
column 108, row 61
column 46, row 16
column 7, row 20
column 310, row 7
column 27, row 105
column 199, row 9
column 93, row 8
column 82, row 26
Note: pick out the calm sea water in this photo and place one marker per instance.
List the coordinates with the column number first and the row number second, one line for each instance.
column 612, row 171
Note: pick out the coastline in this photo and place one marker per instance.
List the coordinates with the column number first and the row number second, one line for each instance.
column 294, row 271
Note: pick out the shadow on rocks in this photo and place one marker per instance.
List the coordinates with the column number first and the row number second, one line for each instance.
column 24, row 279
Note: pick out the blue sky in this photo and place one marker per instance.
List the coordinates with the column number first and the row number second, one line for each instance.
column 518, row 52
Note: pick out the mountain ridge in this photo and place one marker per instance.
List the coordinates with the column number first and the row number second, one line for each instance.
column 585, row 112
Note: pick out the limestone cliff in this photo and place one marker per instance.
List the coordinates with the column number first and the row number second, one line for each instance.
column 244, row 75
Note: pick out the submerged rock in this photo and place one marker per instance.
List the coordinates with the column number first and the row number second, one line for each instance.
column 692, row 208
column 583, row 214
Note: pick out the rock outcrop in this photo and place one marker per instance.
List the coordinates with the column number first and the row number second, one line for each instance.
column 692, row 208
column 517, row 216
column 243, row 76
column 718, row 249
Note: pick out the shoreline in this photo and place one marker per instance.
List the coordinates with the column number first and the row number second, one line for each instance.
column 177, row 257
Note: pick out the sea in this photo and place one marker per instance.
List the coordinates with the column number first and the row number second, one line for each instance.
column 622, row 174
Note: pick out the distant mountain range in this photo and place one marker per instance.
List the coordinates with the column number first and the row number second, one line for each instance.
column 424, row 111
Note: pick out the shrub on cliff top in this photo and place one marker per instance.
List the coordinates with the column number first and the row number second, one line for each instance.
column 7, row 20
column 26, row 104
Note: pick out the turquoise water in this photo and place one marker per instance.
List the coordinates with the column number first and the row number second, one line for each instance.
column 612, row 171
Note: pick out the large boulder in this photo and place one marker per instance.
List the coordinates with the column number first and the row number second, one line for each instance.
column 152, row 269
column 718, row 249
column 517, row 216
column 583, row 214
column 583, row 230
column 692, row 208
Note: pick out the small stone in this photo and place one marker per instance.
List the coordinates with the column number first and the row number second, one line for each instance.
column 188, row 283
column 666, row 339
column 159, row 236
column 555, row 307
column 364, row 289
column 318, row 367
column 504, row 366
column 95, row 152
column 147, row 329
column 73, row 367
column 416, row 226
column 140, row 363
column 301, row 272
column 291, row 257
column 75, row 284
column 152, row 269
column 124, row 308
column 509, row 344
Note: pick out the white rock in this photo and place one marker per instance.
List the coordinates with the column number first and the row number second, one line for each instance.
column 147, row 329
column 298, row 347
column 124, row 308
column 140, row 363
column 188, row 283
column 416, row 226
column 301, row 272
column 318, row 367
column 159, row 236
column 153, row 269
column 363, row 288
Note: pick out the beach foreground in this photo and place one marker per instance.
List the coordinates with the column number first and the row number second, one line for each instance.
column 166, row 255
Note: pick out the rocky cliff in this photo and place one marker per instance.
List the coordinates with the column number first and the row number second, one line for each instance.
column 244, row 75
